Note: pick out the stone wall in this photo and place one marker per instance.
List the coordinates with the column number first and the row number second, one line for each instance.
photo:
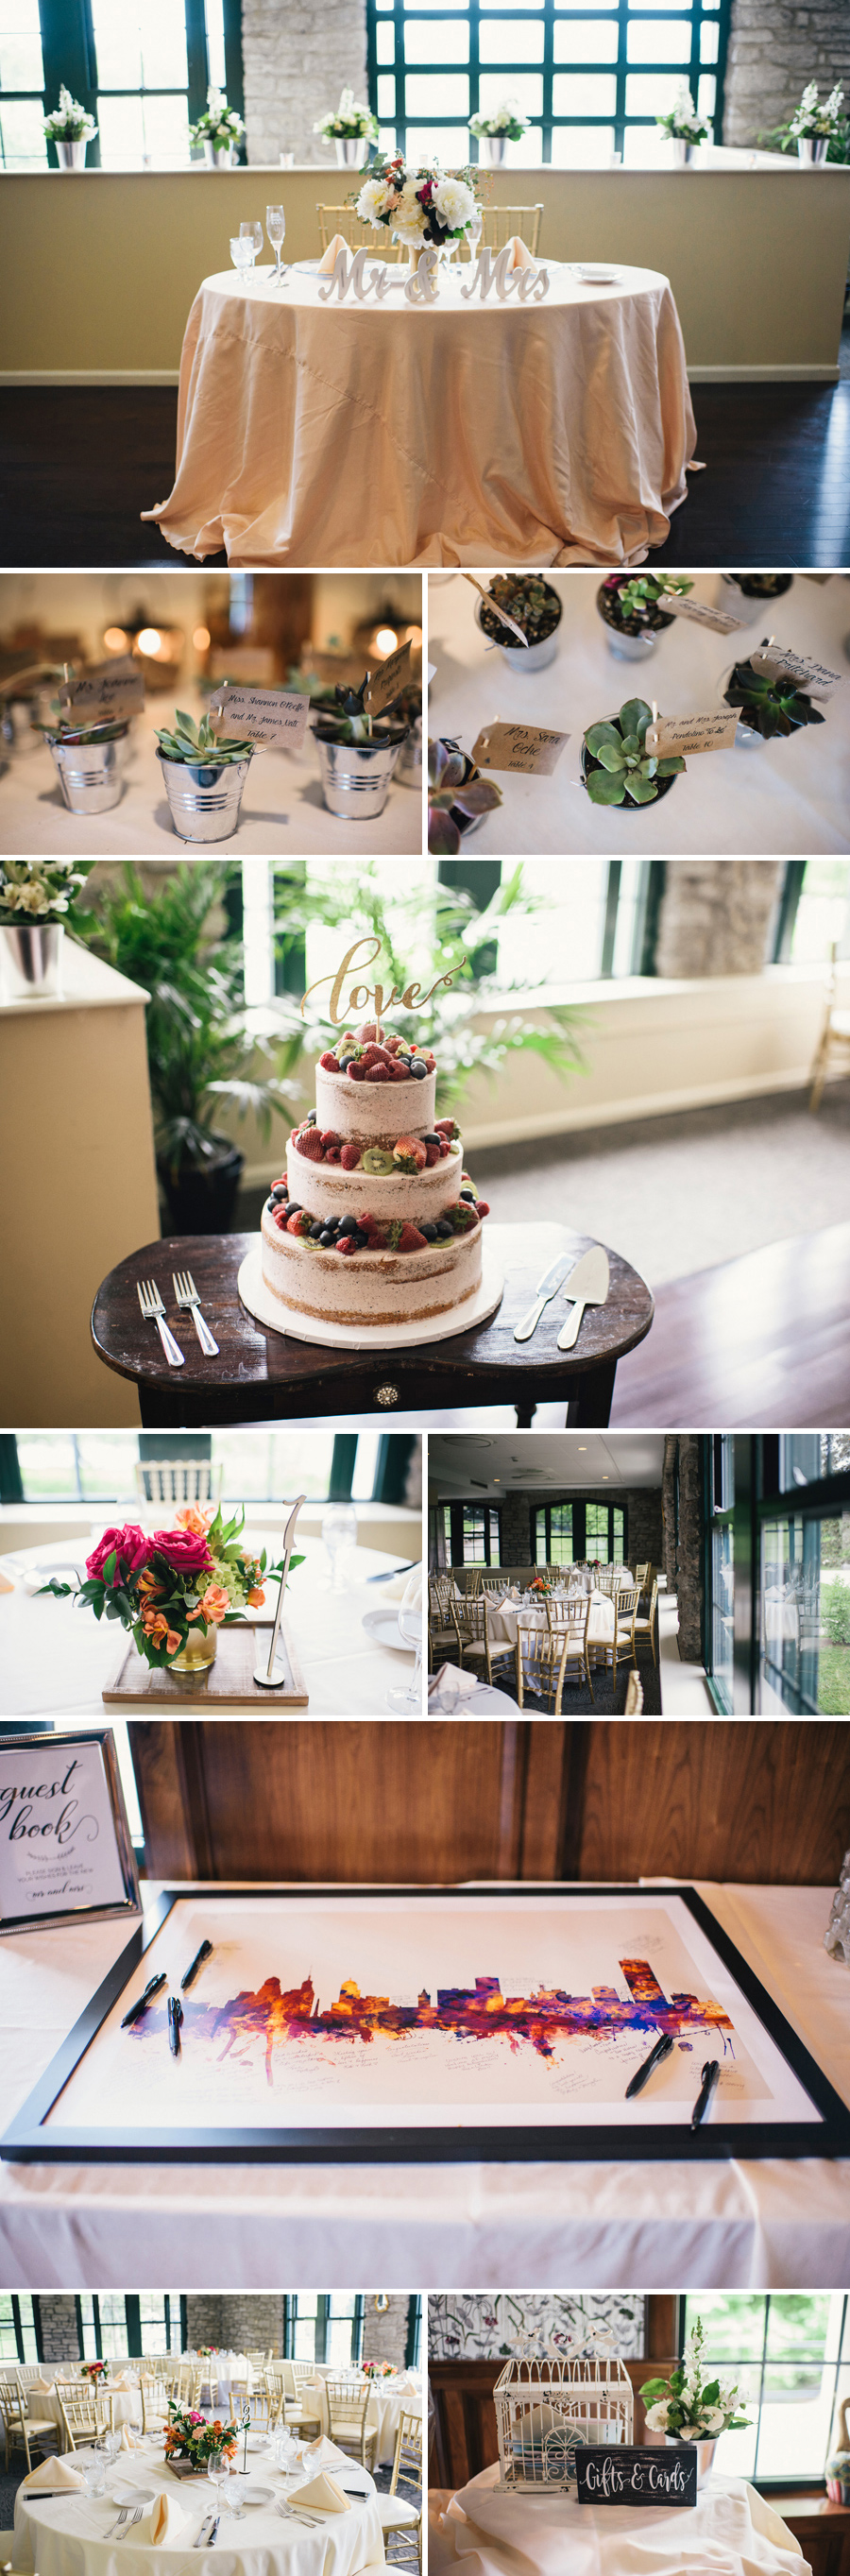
column 385, row 2334
column 715, row 916
column 59, row 2338
column 683, row 1561
column 773, row 52
column 296, row 60
column 235, row 2322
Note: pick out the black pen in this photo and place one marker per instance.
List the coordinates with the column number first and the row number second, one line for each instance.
column 175, row 2016
column 710, row 2077
column 656, row 2057
column 152, row 1988
column 205, row 1952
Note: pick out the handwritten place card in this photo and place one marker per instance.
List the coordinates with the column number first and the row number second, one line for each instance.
column 276, row 718
column 715, row 732
column 65, row 1847
column 113, row 689
column 775, row 662
column 626, row 2475
column 518, row 746
column 719, row 620
column 387, row 682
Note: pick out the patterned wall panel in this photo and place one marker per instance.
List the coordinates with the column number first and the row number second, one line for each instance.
column 481, row 2326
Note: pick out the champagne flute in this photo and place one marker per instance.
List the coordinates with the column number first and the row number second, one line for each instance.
column 408, row 1699
column 253, row 234
column 276, row 229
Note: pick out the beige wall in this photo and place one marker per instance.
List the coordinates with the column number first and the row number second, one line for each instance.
column 100, row 267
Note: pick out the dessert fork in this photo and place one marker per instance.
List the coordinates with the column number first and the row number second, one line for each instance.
column 187, row 1295
column 154, row 1312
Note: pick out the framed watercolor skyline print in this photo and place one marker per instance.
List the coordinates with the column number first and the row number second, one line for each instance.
column 349, row 2024
column 66, row 1855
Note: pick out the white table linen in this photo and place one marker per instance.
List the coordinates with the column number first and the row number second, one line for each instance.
column 782, row 796
column 448, row 1696
column 738, row 2224
column 126, row 2402
column 315, row 432
column 505, row 1618
column 389, row 2399
column 65, row 2536
column 730, row 2530
column 55, row 1659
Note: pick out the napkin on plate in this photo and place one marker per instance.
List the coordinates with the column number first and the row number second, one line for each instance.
column 52, row 2473
column 163, row 2522
column 38, row 2388
column 520, row 253
column 323, row 2494
column 123, row 2381
column 330, row 256
column 395, row 1587
column 452, row 1681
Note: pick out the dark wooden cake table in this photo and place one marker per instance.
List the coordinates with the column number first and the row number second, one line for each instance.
column 262, row 1376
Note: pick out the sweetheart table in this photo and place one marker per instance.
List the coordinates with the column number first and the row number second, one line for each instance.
column 308, row 432
column 731, row 2528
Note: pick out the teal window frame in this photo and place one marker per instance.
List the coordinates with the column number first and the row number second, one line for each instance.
column 69, row 54
column 803, row 2478
column 579, row 1503
column 549, row 122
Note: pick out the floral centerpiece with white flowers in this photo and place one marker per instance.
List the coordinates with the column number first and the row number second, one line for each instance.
column 350, row 122
column 682, row 124
column 691, row 2406
column 219, row 125
column 418, row 207
column 170, row 1588
column 69, row 122
column 39, row 890
column 815, row 120
column 507, row 125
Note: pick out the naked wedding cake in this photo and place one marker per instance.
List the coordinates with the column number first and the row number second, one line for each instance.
column 375, row 1220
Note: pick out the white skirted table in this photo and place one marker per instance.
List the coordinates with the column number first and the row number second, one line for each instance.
column 314, row 432
column 731, row 2529
column 74, row 2535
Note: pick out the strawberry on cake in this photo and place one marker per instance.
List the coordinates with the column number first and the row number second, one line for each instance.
column 375, row 1220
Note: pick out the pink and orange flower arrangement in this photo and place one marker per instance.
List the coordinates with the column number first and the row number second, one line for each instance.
column 165, row 1587
column 189, row 2436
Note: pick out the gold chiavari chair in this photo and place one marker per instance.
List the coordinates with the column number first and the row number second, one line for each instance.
column 24, row 2429
column 501, row 222
column 154, row 2402
column 80, row 2412
column 834, row 1041
column 634, row 1695
column 257, row 2359
column 475, row 1646
column 356, row 234
column 541, row 1655
column 647, row 1627
column 442, row 1635
column 348, row 2407
column 569, row 1622
column 299, row 2411
column 401, row 2509
column 642, row 1575
column 620, row 1648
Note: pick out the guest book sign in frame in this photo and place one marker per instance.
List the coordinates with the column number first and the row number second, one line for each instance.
column 65, row 1850
column 358, row 2024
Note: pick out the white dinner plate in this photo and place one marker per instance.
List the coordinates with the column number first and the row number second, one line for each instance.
column 133, row 2495
column 383, row 1626
column 309, row 266
column 257, row 2495
column 596, row 276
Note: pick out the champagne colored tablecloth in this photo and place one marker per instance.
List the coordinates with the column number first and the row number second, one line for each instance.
column 457, row 433
column 731, row 2531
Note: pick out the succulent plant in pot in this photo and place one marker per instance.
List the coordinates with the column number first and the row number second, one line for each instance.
column 631, row 605
column 358, row 753
column 771, row 704
column 616, row 767
column 204, row 775
column 535, row 606
column 458, row 797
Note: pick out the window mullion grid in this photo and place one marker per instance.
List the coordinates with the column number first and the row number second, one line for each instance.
column 196, row 58
column 622, row 60
column 548, row 74
column 474, row 56
column 400, row 94
column 696, row 46
column 762, row 2376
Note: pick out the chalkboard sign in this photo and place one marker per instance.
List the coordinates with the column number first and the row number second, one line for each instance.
column 624, row 2476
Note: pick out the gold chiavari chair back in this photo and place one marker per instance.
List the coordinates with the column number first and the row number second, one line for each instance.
column 79, row 2411
column 26, row 2427
column 356, row 234
column 348, row 2408
column 646, row 1627
column 154, row 2401
column 569, row 1625
column 401, row 2510
column 501, row 222
column 620, row 1648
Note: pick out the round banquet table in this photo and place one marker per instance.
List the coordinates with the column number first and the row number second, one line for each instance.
column 66, row 2535
column 126, row 2402
column 454, row 433
column 730, row 2530
column 504, row 1617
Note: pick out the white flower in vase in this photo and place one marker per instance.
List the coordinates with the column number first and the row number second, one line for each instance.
column 374, row 199
column 455, row 204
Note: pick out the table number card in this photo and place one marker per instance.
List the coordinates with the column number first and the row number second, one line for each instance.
column 386, row 684
column 65, row 1848
column 720, row 621
column 516, row 746
column 623, row 2475
column 274, row 718
column 776, row 664
column 686, row 734
column 113, row 689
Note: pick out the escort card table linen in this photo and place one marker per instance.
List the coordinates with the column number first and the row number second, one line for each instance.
column 328, row 433
column 57, row 1660
column 741, row 2224
column 73, row 2535
column 485, row 2533
column 789, row 795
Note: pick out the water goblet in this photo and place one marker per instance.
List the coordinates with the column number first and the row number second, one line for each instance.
column 408, row 1698
column 218, row 2468
column 276, row 229
column 339, row 1537
column 242, row 257
column 252, row 233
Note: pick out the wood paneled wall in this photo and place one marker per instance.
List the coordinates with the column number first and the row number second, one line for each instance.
column 748, row 1800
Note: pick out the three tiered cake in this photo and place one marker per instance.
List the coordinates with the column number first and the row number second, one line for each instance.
column 375, row 1220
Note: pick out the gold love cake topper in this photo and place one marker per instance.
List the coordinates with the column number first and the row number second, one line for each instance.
column 374, row 997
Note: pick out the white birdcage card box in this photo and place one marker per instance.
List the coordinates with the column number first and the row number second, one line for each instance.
column 548, row 2409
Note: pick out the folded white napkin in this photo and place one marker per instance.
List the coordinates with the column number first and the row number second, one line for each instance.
column 123, row 2381
column 323, row 2494
column 323, row 2453
column 38, row 2388
column 451, row 1680
column 52, row 2473
column 520, row 253
column 395, row 1587
column 128, row 2441
column 330, row 256
column 163, row 2522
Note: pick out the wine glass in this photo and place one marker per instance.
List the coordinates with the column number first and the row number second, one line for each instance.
column 242, row 257
column 339, row 1537
column 276, row 229
column 218, row 2468
column 408, row 1698
column 253, row 234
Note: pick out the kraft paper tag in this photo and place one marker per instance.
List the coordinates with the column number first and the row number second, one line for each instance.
column 115, row 689
column 276, row 718
column 693, row 733
column 720, row 620
column 517, row 746
column 387, row 682
column 811, row 676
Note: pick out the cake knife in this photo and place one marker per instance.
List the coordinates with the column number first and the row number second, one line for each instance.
column 547, row 1287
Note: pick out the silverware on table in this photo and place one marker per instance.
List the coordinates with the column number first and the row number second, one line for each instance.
column 588, row 1285
column 203, row 2532
column 154, row 1313
column 547, row 1287
column 187, row 1295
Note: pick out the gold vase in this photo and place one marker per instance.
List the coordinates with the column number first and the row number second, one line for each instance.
column 199, row 1652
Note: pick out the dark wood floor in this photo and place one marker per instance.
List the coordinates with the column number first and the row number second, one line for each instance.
column 78, row 465
column 754, row 1344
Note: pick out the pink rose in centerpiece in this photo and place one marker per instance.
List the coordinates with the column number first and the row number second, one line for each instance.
column 186, row 1551
column 128, row 1544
